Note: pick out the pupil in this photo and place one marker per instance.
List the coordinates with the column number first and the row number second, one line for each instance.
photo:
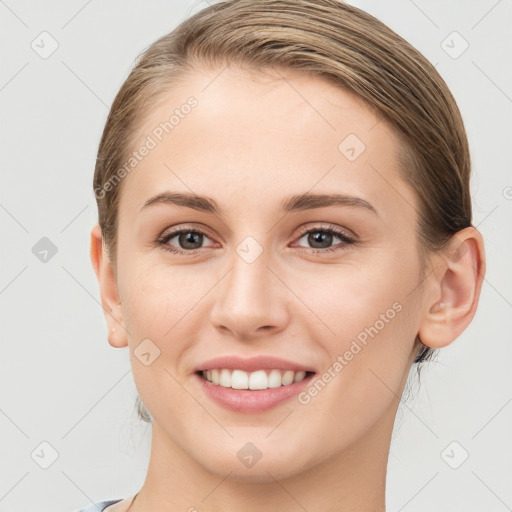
column 190, row 238
column 318, row 236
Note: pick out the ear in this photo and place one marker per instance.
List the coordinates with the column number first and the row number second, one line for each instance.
column 117, row 336
column 454, row 289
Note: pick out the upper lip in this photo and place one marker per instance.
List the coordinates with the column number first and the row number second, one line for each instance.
column 252, row 364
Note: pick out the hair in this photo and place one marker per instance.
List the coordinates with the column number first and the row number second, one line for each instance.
column 332, row 40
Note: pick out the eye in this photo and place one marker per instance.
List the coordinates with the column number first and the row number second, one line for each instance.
column 320, row 237
column 189, row 241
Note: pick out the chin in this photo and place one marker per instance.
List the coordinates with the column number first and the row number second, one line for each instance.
column 246, row 463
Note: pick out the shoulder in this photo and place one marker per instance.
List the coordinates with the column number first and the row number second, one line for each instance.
column 99, row 506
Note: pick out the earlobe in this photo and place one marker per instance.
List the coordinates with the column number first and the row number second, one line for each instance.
column 110, row 300
column 452, row 303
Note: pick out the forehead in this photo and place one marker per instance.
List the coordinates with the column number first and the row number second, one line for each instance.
column 240, row 134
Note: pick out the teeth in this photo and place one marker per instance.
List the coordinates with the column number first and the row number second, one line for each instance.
column 260, row 379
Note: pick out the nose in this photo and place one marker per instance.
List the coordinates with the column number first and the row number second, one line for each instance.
column 251, row 301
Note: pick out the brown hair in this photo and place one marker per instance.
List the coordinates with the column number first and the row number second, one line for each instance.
column 322, row 37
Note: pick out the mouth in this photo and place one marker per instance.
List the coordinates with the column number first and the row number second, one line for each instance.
column 252, row 392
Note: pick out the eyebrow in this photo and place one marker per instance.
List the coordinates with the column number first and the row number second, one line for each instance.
column 295, row 203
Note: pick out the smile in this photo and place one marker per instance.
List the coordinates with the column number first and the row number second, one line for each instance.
column 257, row 380
column 233, row 392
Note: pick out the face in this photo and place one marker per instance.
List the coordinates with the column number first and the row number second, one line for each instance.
column 327, row 286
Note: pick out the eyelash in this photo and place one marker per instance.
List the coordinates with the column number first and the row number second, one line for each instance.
column 162, row 242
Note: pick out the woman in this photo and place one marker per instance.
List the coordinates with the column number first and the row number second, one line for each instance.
column 284, row 230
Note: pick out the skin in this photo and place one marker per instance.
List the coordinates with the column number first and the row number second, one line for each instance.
column 251, row 142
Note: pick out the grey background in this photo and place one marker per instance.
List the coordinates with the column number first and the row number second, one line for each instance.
column 61, row 382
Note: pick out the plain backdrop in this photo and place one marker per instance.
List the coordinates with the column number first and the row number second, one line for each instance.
column 67, row 397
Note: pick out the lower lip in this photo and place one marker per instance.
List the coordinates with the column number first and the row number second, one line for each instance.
column 247, row 400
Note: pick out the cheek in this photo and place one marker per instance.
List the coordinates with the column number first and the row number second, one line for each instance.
column 374, row 338
column 157, row 296
column 372, row 323
column 361, row 301
column 158, row 305
column 362, row 383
